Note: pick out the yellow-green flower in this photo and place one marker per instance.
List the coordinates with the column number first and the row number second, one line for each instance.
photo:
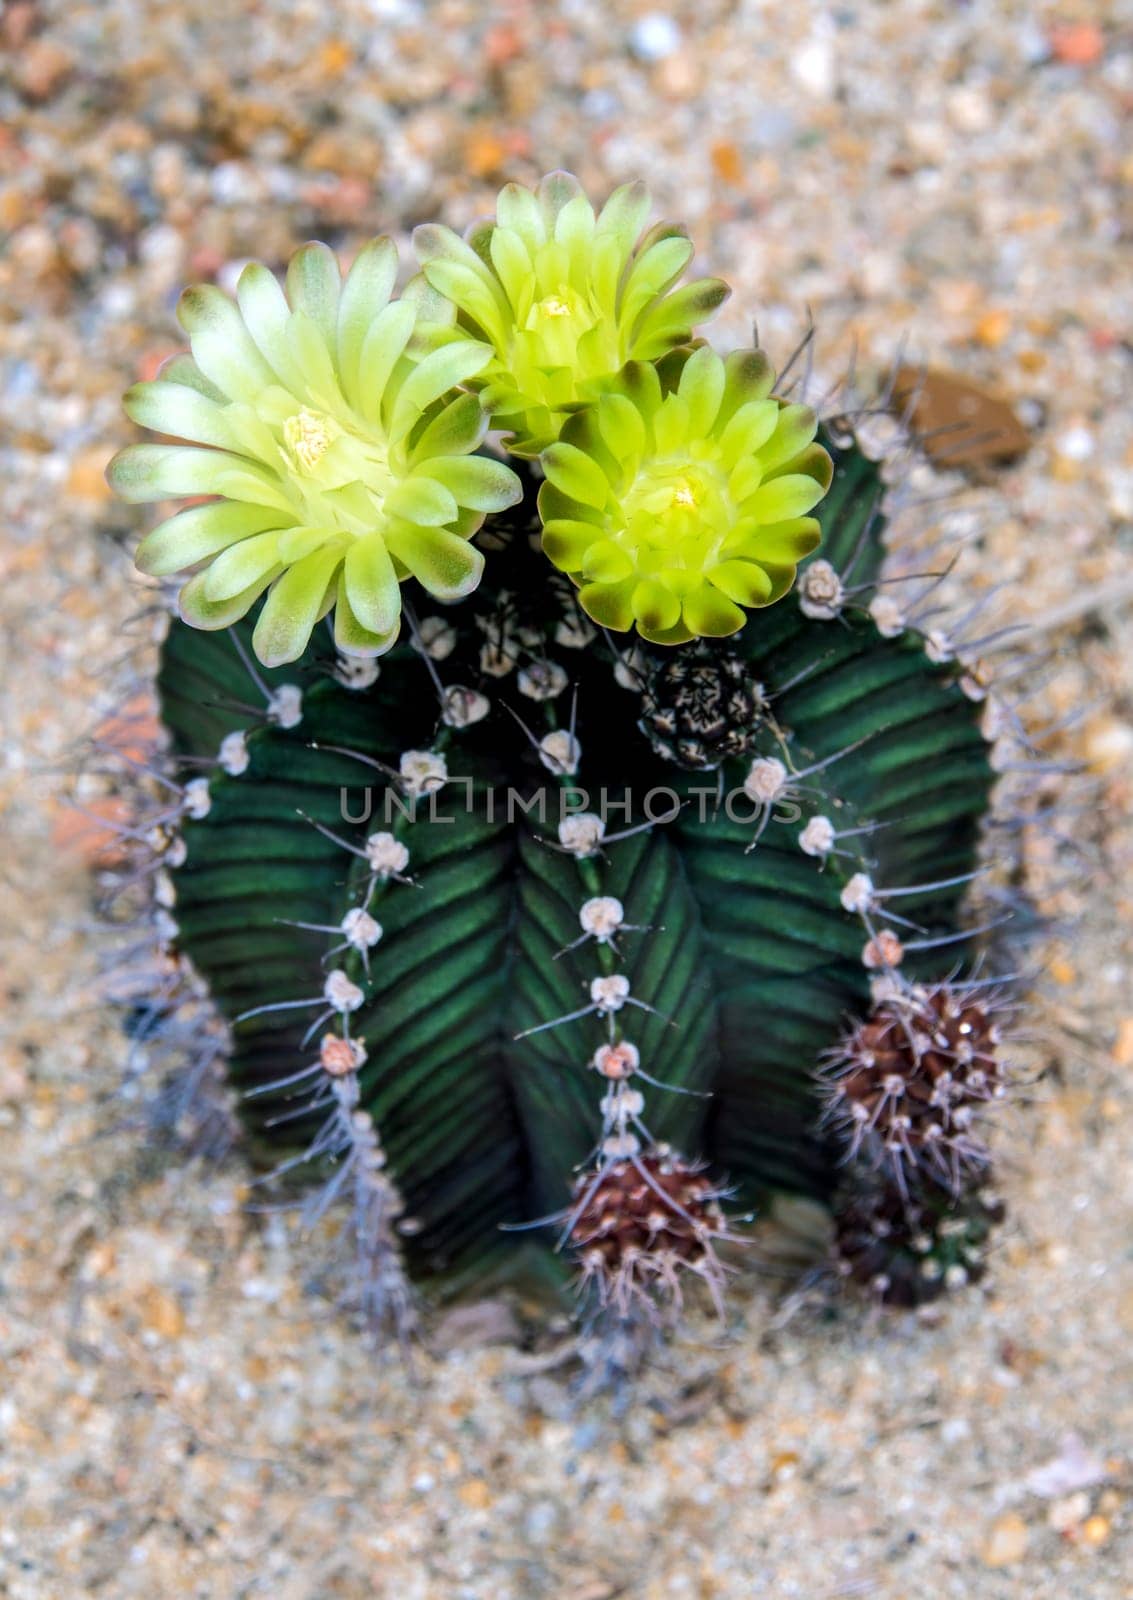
column 342, row 461
column 564, row 298
column 681, row 498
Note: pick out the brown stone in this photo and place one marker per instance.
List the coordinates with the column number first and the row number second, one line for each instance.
column 961, row 423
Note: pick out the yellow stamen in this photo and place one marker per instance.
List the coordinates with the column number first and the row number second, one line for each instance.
column 308, row 436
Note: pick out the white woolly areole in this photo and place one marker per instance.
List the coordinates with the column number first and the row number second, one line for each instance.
column 938, row 646
column 497, row 657
column 616, row 1060
column 341, row 993
column 610, row 994
column 232, row 757
column 884, row 951
column 357, row 672
column 542, row 680
column 766, row 780
column 888, row 618
column 163, row 891
column 176, row 852
column 621, row 1103
column 886, row 986
column 582, row 833
column 361, row 929
column 196, row 800
column 858, row 894
column 629, row 670
column 435, row 638
column 817, row 838
column 463, row 707
column 386, row 855
column 423, row 771
column 338, row 1056
column 821, row 592
column 602, row 917
column 560, row 752
column 285, row 706
column 573, row 633
column 620, row 1146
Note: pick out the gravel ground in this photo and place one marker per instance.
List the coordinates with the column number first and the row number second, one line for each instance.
column 177, row 1415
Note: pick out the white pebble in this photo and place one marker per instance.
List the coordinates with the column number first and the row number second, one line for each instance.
column 655, row 37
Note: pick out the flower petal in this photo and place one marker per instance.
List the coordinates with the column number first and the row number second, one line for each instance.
column 789, row 496
column 365, row 294
column 710, row 615
column 741, row 581
column 292, row 608
column 609, row 604
column 565, row 543
column 371, row 587
column 447, row 566
column 475, row 481
column 576, row 475
column 421, row 501
column 200, row 612
column 654, row 606
column 382, row 349
column 222, row 346
column 263, row 306
column 351, row 637
column 198, row 533
column 606, row 562
column 702, row 389
column 518, row 210
column 313, row 287
column 144, row 472
column 623, row 216
column 795, row 428
column 455, row 431
column 242, row 565
column 182, row 413
column 434, row 376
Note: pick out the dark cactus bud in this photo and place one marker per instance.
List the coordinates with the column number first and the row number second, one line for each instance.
column 700, row 706
column 908, row 1082
column 906, row 1253
column 643, row 1220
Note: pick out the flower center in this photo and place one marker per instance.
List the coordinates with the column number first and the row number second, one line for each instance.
column 676, row 515
column 308, row 435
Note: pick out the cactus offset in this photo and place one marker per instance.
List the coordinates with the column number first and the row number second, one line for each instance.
column 529, row 919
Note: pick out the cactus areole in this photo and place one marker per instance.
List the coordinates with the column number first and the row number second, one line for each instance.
column 551, row 850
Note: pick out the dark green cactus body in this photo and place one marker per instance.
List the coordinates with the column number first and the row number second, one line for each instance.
column 748, row 961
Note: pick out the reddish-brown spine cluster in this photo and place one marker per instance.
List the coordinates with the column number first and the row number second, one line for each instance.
column 637, row 1223
column 906, row 1084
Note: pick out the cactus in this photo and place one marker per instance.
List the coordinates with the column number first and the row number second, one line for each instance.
column 619, row 895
